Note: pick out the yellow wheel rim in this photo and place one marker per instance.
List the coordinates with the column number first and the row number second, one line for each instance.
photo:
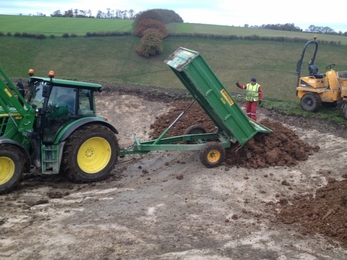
column 213, row 156
column 94, row 155
column 7, row 169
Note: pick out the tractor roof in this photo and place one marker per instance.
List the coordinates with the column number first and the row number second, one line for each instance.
column 64, row 82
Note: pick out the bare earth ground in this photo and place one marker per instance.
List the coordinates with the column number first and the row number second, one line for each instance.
column 282, row 196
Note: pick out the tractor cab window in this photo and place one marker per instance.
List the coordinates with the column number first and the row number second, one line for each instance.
column 35, row 96
column 61, row 108
column 85, row 107
column 63, row 99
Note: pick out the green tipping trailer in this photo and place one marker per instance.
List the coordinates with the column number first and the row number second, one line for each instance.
column 232, row 123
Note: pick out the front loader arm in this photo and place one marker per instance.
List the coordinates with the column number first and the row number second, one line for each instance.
column 9, row 102
column 9, row 94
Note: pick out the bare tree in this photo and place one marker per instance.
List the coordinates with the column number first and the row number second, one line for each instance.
column 312, row 28
column 68, row 13
column 82, row 13
column 124, row 14
column 108, row 12
column 118, row 14
column 327, row 29
column 131, row 14
column 57, row 14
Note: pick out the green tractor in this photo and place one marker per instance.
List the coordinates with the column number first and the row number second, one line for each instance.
column 55, row 129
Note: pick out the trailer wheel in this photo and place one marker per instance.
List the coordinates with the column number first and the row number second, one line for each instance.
column 11, row 167
column 194, row 129
column 90, row 154
column 310, row 102
column 344, row 110
column 212, row 154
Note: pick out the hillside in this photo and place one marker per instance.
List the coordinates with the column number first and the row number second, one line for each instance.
column 80, row 26
column 113, row 60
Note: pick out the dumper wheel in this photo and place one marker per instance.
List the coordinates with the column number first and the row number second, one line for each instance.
column 90, row 154
column 195, row 129
column 11, row 167
column 310, row 102
column 212, row 154
column 344, row 110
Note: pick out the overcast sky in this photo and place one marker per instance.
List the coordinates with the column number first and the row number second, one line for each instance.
column 220, row 12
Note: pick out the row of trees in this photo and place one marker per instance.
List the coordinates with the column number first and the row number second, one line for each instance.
column 292, row 27
column 320, row 29
column 282, row 27
column 109, row 14
column 130, row 14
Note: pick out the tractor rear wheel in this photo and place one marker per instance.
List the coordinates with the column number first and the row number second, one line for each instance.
column 212, row 154
column 11, row 167
column 90, row 154
column 310, row 102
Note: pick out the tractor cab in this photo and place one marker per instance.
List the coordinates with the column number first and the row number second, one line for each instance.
column 54, row 131
column 58, row 103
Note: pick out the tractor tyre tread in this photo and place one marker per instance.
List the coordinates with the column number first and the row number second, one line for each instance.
column 70, row 168
column 17, row 157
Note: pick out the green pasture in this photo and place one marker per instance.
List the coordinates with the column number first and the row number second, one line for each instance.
column 187, row 28
column 57, row 26
column 80, row 26
column 114, row 60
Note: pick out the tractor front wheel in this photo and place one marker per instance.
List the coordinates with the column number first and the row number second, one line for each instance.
column 11, row 167
column 212, row 154
column 90, row 154
column 310, row 102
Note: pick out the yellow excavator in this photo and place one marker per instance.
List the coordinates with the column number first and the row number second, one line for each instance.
column 317, row 89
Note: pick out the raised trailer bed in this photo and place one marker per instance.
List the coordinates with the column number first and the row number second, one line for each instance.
column 233, row 126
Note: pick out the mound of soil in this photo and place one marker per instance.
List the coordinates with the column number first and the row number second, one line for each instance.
column 282, row 147
column 325, row 213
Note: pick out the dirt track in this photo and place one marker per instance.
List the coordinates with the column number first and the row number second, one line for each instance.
column 167, row 205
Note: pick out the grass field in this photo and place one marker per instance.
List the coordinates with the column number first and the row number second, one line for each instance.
column 114, row 60
column 241, row 31
column 58, row 26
